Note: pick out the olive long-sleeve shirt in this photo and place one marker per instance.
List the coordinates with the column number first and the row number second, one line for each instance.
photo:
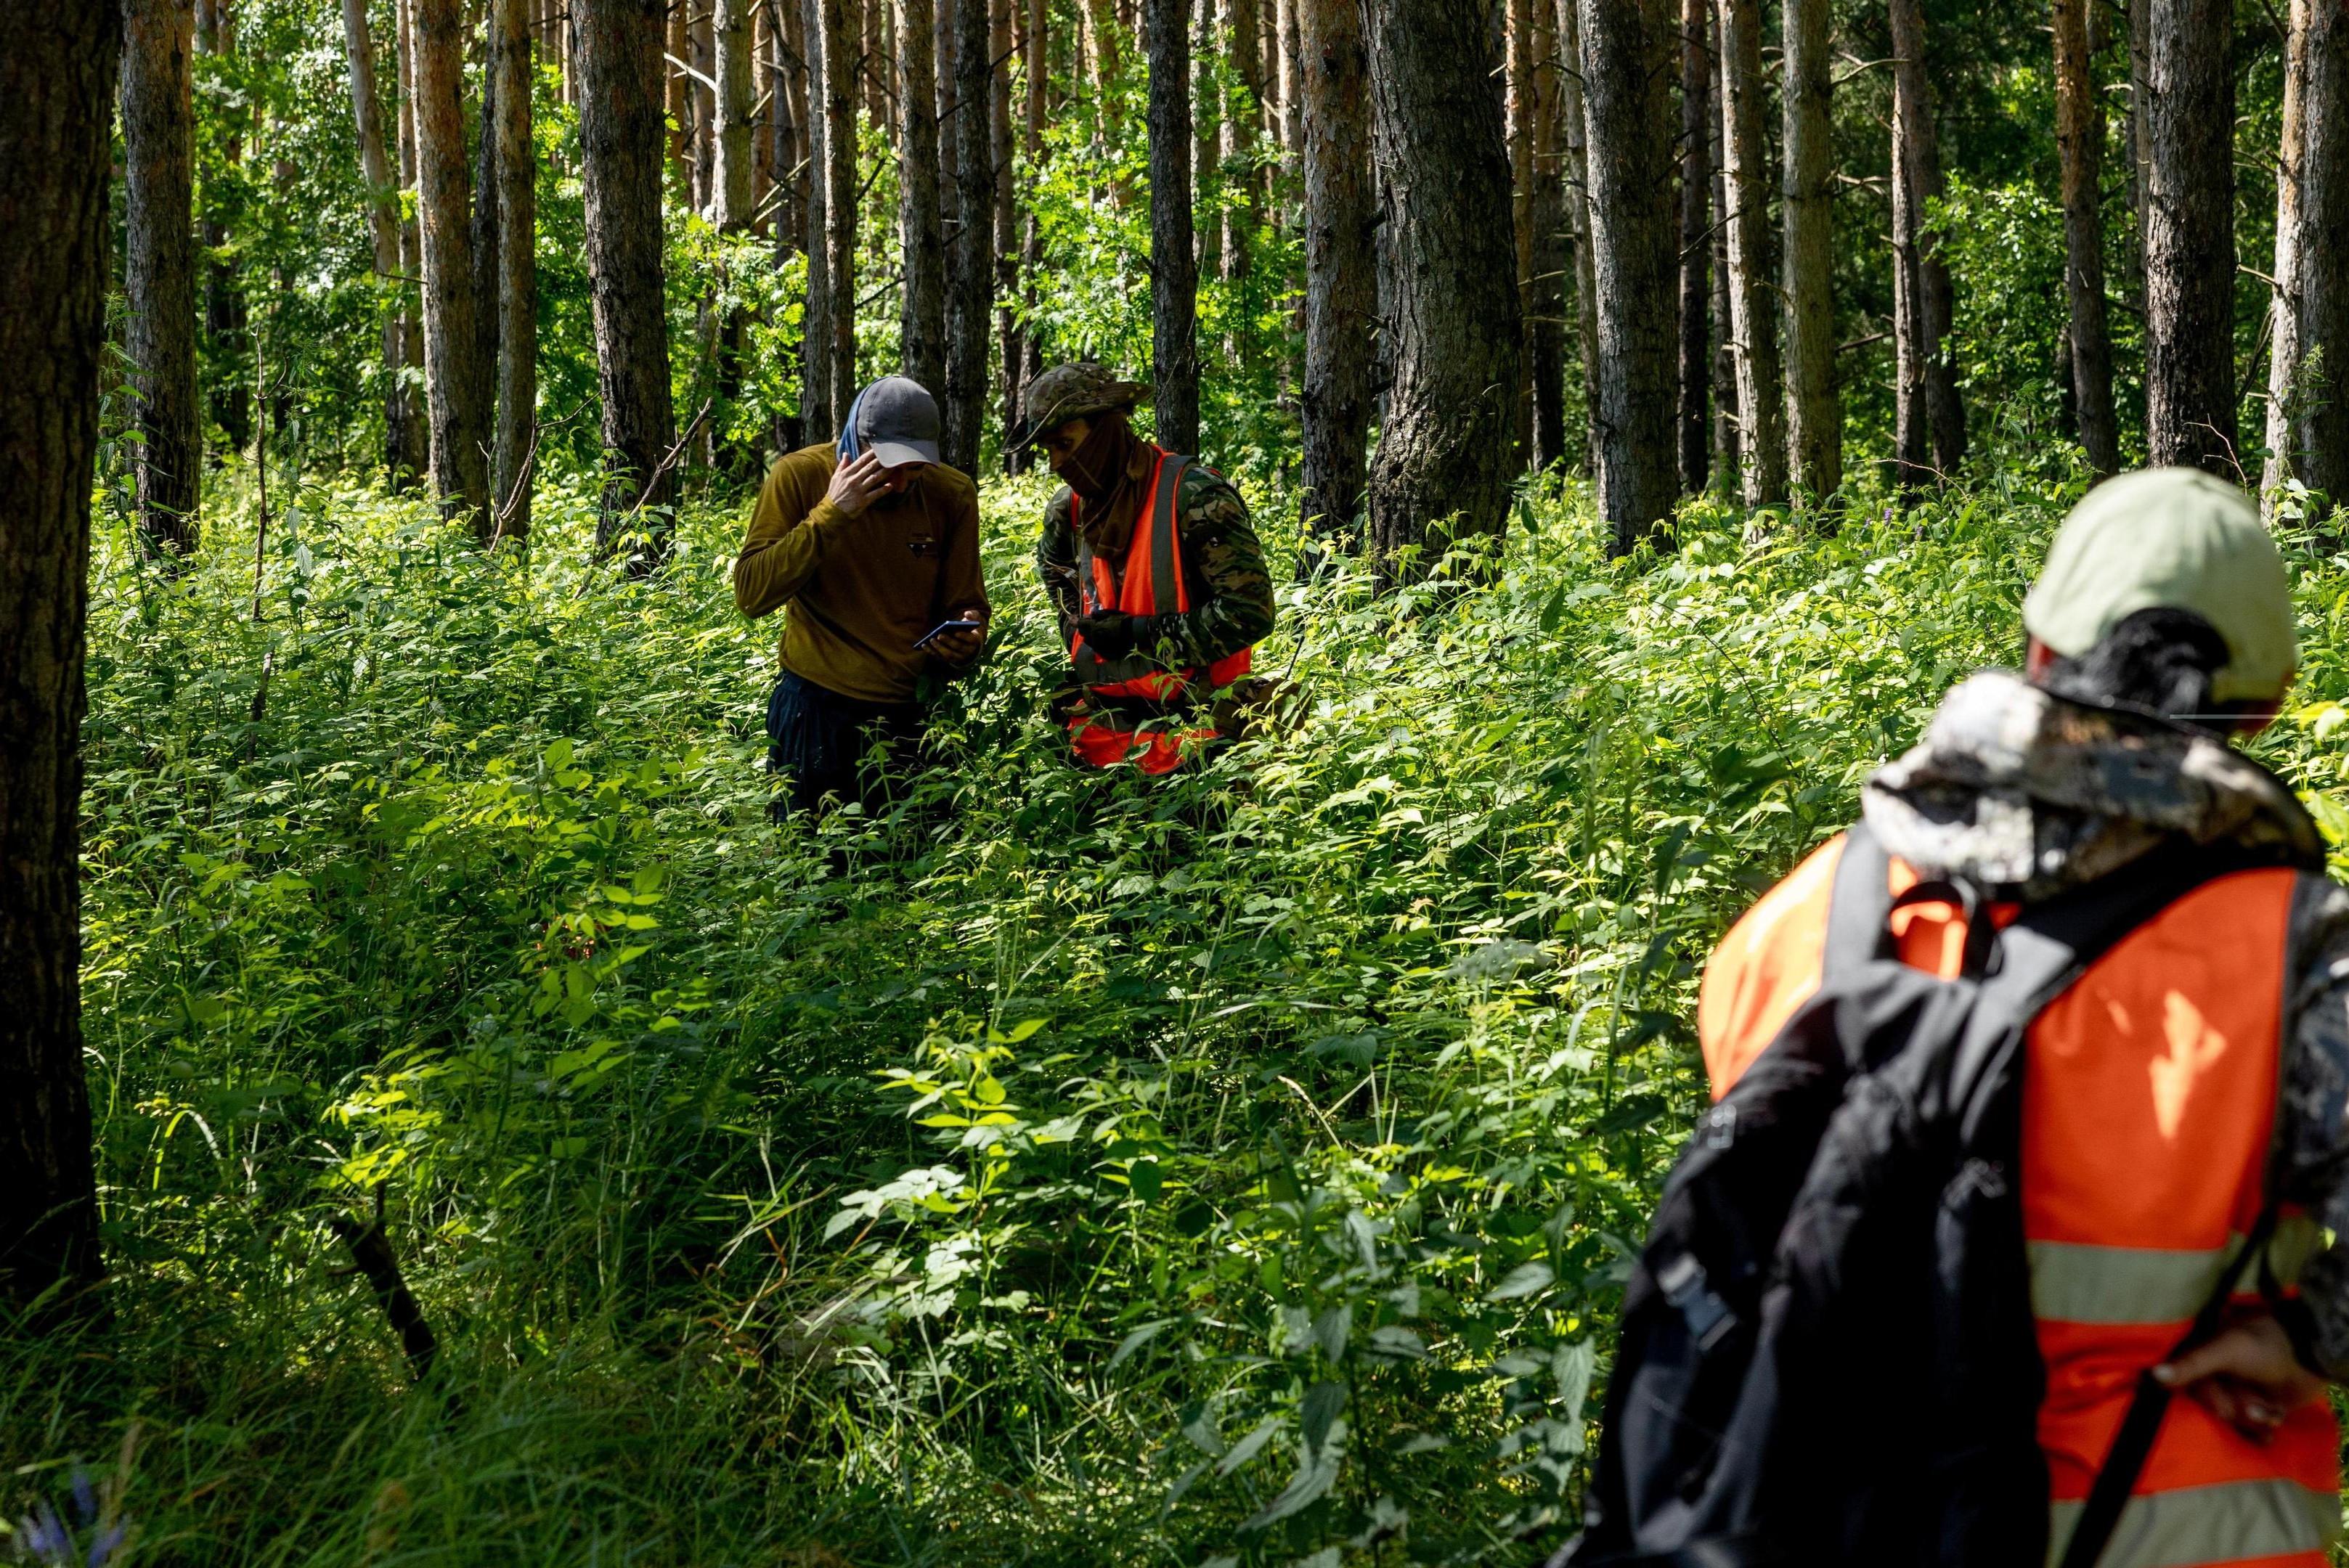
column 861, row 591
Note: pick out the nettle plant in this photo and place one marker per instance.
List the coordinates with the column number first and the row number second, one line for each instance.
column 1333, row 1334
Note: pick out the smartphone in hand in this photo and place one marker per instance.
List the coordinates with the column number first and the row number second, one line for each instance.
column 935, row 632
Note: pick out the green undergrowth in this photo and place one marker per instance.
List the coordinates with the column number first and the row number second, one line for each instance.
column 1060, row 1170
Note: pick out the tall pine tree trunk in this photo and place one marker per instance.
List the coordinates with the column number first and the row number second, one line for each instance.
column 2080, row 145
column 1005, row 249
column 970, row 265
column 1929, row 424
column 2308, row 389
column 1545, row 301
column 57, row 65
column 619, row 69
column 1814, row 409
column 484, row 246
column 922, row 325
column 1239, row 135
column 1752, row 301
column 1037, row 54
column 412, row 254
column 734, row 175
column 454, row 376
column 817, row 337
column 1174, row 273
column 160, row 264
column 840, row 63
column 1626, row 69
column 787, row 79
column 517, row 299
column 1341, row 299
column 2189, row 259
column 1577, row 121
column 1523, row 111
column 1695, row 246
column 401, row 448
column 1444, row 458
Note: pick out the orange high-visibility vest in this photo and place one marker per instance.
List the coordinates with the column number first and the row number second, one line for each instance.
column 1149, row 582
column 2148, row 1107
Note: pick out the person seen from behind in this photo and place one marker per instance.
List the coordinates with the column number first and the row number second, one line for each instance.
column 2196, row 1072
column 1154, row 566
column 869, row 545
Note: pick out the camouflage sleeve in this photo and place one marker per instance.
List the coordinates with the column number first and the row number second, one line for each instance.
column 1220, row 545
column 2312, row 1136
column 1056, row 562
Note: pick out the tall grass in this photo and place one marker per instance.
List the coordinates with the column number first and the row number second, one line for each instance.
column 1060, row 1169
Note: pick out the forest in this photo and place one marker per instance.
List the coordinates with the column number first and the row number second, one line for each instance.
column 450, row 1119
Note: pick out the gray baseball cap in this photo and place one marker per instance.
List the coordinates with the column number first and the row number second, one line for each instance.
column 897, row 421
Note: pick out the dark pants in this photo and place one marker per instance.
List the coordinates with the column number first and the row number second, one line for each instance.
column 823, row 745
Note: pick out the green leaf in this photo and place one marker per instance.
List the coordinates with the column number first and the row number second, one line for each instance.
column 1525, row 1279
column 1138, row 1338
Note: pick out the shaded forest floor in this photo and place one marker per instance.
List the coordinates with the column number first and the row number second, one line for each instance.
column 1062, row 1169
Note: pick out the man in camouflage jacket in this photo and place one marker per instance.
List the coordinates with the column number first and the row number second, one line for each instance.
column 1077, row 414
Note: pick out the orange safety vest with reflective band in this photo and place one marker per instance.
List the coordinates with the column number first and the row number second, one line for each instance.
column 2149, row 1108
column 1149, row 582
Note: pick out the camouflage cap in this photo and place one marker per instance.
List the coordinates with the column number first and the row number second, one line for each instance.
column 1076, row 391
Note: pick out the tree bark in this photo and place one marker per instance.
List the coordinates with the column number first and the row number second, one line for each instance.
column 703, row 54
column 1753, row 301
column 732, row 179
column 1725, row 448
column 788, row 81
column 1814, row 408
column 2080, row 144
column 922, row 327
column 620, row 67
column 1174, row 272
column 484, row 248
column 1523, row 111
column 970, row 264
column 453, row 375
column 1206, row 140
column 816, row 335
column 1239, row 124
column 1005, row 249
column 1341, row 301
column 412, row 254
column 517, row 199
column 1545, row 300
column 840, row 63
column 2189, row 263
column 57, row 109
column 399, row 451
column 1929, row 440
column 1626, row 65
column 2308, row 408
column 1577, row 204
column 160, row 264
column 1695, row 246
column 1102, row 33
column 676, row 93
column 1443, row 464
column 1036, row 51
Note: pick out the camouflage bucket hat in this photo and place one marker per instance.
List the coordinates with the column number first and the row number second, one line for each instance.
column 1076, row 391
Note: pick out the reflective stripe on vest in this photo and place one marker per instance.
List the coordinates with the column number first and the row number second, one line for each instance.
column 1149, row 582
column 2148, row 1105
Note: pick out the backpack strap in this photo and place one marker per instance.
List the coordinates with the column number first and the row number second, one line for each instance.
column 2125, row 1462
column 1860, row 906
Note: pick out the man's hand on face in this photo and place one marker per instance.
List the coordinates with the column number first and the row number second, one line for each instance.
column 2247, row 1375
column 859, row 482
column 961, row 647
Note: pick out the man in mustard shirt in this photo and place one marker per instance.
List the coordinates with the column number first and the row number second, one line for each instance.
column 872, row 544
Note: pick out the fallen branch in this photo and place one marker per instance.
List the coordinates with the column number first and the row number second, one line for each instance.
column 370, row 1249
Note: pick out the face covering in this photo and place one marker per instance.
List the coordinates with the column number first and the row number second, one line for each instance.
column 1096, row 470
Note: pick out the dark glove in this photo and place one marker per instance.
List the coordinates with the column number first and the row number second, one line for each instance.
column 1113, row 635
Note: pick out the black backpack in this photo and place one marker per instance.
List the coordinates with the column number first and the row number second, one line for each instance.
column 1828, row 1353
